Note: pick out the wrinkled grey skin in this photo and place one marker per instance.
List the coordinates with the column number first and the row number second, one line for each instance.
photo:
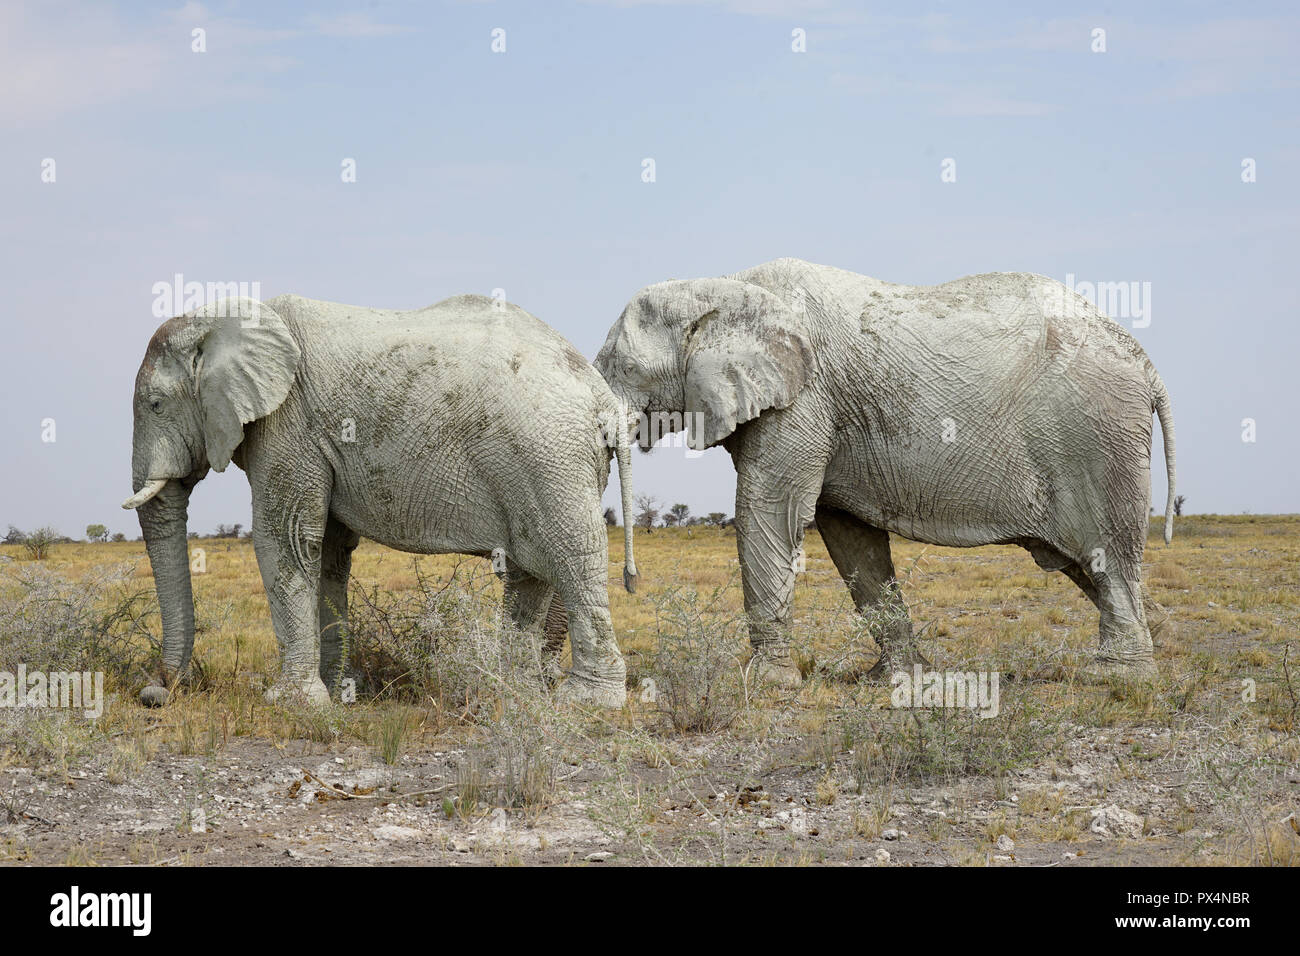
column 997, row 408
column 474, row 428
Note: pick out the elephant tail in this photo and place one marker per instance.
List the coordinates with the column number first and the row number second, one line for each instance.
column 1160, row 403
column 625, row 487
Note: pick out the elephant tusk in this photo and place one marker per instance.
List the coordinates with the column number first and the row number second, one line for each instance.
column 150, row 489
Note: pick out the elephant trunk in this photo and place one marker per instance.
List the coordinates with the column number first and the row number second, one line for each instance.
column 624, row 456
column 163, row 523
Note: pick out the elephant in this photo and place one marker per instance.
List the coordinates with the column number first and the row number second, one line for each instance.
column 993, row 409
column 469, row 426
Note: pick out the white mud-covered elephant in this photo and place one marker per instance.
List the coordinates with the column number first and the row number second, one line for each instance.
column 469, row 426
column 994, row 409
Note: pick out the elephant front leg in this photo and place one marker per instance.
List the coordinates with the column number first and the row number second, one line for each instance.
column 289, row 557
column 769, row 533
column 861, row 554
column 336, row 565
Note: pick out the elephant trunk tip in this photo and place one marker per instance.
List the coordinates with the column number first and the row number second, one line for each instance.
column 630, row 579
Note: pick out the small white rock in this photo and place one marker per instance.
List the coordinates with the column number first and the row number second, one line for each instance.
column 882, row 856
column 600, row 856
column 1115, row 821
column 799, row 821
column 392, row 833
column 1006, row 844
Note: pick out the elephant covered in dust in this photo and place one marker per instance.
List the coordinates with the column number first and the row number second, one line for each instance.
column 469, row 426
column 994, row 409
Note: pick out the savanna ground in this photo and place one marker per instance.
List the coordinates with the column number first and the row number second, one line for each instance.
column 456, row 753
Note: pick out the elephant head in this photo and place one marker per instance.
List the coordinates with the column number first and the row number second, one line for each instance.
column 205, row 375
column 715, row 352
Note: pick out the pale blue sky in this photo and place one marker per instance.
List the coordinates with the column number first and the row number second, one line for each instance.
column 522, row 171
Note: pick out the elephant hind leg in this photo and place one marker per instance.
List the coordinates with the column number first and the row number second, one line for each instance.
column 556, row 627
column 599, row 674
column 1050, row 559
column 1115, row 587
column 532, row 605
column 579, row 566
column 861, row 554
column 1126, row 646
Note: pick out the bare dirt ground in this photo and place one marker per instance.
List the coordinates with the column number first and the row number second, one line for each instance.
column 1201, row 766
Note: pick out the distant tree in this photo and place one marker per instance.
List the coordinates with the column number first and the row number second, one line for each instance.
column 14, row 536
column 1178, row 505
column 119, row 536
column 716, row 518
column 192, row 535
column 611, row 519
column 96, row 532
column 647, row 512
column 40, row 542
column 679, row 514
column 227, row 531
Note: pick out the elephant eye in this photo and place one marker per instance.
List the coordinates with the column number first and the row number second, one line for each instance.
column 156, row 405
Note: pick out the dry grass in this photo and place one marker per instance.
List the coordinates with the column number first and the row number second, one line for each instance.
column 1232, row 585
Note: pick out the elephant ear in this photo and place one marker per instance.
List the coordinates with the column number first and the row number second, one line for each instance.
column 748, row 352
column 244, row 361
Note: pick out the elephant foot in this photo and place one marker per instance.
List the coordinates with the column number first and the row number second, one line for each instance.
column 894, row 660
column 312, row 691
column 154, row 696
column 1105, row 670
column 775, row 667
column 592, row 693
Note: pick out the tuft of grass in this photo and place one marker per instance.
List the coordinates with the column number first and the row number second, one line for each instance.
column 921, row 745
column 699, row 681
column 393, row 731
